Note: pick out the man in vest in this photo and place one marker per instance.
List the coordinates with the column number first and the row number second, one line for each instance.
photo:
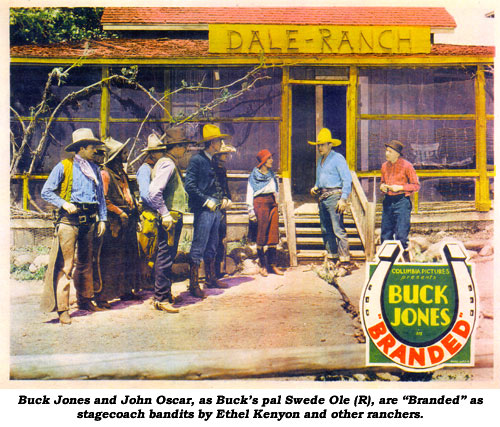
column 148, row 234
column 207, row 198
column 398, row 182
column 119, row 259
column 168, row 197
column 332, row 187
column 75, row 187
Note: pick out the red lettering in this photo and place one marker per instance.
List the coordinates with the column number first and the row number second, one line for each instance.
column 461, row 328
column 387, row 342
column 377, row 330
column 416, row 356
column 399, row 353
column 436, row 354
column 451, row 344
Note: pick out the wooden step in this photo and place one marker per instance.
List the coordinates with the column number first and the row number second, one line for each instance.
column 318, row 255
column 353, row 241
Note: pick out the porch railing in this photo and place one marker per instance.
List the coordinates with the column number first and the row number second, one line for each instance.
column 363, row 213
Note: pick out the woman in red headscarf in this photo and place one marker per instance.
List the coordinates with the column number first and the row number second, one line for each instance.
column 262, row 196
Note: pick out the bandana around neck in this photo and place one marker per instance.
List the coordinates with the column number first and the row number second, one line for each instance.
column 86, row 169
column 258, row 180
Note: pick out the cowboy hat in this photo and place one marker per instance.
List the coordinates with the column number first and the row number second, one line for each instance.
column 114, row 147
column 82, row 136
column 324, row 137
column 154, row 144
column 212, row 132
column 395, row 145
column 177, row 135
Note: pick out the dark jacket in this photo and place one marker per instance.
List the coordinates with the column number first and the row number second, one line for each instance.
column 201, row 182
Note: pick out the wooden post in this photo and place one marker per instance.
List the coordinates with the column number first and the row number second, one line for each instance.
column 483, row 202
column 351, row 119
column 290, row 221
column 104, row 125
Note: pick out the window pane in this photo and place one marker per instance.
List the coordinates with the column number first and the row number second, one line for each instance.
column 489, row 92
column 319, row 73
column 446, row 189
column 428, row 144
column 417, row 91
column 127, row 102
column 490, row 143
column 262, row 100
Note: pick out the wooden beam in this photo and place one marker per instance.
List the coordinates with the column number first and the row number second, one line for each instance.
column 189, row 365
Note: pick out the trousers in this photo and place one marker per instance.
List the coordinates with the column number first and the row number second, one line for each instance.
column 332, row 228
column 205, row 235
column 396, row 215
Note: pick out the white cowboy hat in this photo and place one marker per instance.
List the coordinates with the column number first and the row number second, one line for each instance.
column 80, row 137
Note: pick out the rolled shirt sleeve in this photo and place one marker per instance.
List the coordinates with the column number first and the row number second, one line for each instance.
column 51, row 186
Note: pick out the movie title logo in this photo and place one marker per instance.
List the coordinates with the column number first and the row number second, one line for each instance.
column 419, row 316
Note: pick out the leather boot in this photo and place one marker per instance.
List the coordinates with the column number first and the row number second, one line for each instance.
column 211, row 280
column 262, row 261
column 271, row 259
column 194, row 285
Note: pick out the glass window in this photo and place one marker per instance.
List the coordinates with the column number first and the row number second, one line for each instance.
column 446, row 189
column 262, row 100
column 417, row 91
column 489, row 77
column 428, row 143
column 27, row 84
column 490, row 142
column 127, row 102
column 319, row 73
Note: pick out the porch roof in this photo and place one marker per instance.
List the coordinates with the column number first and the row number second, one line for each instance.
column 142, row 17
column 182, row 48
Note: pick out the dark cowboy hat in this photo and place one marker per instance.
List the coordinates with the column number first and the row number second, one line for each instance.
column 82, row 136
column 395, row 145
column 177, row 135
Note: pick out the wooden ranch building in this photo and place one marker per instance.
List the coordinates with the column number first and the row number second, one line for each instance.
column 370, row 74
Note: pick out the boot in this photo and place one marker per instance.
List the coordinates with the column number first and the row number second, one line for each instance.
column 262, row 261
column 271, row 259
column 194, row 285
column 64, row 318
column 210, row 280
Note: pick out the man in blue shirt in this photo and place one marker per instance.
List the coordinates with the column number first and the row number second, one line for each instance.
column 333, row 186
column 75, row 187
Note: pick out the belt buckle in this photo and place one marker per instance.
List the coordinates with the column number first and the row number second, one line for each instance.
column 82, row 219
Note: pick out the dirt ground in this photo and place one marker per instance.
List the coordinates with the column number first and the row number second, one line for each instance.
column 296, row 310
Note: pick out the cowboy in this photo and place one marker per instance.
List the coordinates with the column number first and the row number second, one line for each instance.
column 119, row 255
column 148, row 234
column 207, row 200
column 168, row 197
column 75, row 187
column 219, row 161
column 398, row 182
column 333, row 186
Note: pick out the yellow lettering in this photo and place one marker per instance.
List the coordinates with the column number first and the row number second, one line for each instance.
column 230, row 35
column 446, row 318
column 383, row 35
column 325, row 35
column 405, row 318
column 439, row 294
column 423, row 294
column 345, row 39
column 256, row 40
column 363, row 38
column 291, row 40
column 271, row 48
column 407, row 297
column 404, row 39
column 395, row 294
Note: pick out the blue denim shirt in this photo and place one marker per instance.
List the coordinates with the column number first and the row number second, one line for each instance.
column 334, row 172
column 143, row 180
column 83, row 189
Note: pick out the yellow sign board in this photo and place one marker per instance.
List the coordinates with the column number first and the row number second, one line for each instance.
column 297, row 39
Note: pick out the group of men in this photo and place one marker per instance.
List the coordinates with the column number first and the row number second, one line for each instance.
column 332, row 188
column 100, row 224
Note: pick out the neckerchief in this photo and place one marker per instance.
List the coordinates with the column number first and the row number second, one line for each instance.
column 258, row 180
column 86, row 169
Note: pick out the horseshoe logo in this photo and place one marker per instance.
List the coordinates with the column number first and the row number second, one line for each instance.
column 419, row 316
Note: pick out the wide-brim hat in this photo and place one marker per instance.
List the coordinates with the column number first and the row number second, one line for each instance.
column 82, row 136
column 395, row 145
column 177, row 135
column 325, row 137
column 114, row 147
column 263, row 156
column 211, row 132
column 154, row 144
column 225, row 149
